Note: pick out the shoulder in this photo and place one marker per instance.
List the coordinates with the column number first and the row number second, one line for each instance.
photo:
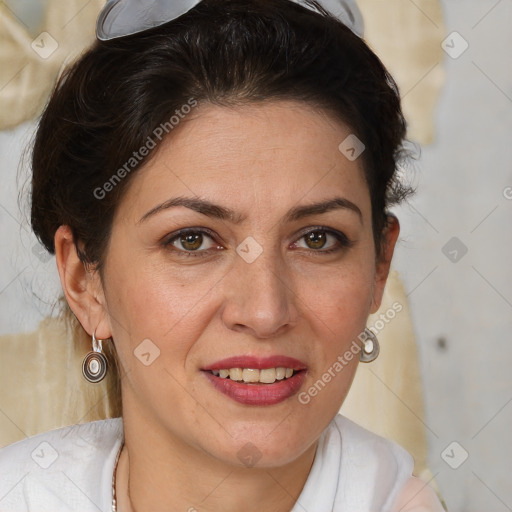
column 360, row 444
column 54, row 462
column 373, row 470
column 390, row 466
column 417, row 496
column 51, row 448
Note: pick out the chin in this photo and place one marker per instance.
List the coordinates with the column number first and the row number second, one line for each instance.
column 264, row 448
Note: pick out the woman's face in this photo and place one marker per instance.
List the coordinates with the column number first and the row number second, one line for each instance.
column 258, row 276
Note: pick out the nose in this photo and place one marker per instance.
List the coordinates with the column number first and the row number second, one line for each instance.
column 259, row 297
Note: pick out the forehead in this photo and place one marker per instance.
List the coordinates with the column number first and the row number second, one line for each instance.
column 254, row 157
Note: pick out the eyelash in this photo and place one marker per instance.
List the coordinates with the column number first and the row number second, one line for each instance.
column 343, row 241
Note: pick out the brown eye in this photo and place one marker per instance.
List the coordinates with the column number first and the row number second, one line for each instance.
column 191, row 242
column 323, row 241
column 315, row 239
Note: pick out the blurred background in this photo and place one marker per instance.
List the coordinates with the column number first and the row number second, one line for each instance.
column 452, row 61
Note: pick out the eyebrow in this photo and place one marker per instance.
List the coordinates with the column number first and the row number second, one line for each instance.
column 223, row 213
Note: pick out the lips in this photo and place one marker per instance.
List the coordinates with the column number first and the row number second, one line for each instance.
column 257, row 394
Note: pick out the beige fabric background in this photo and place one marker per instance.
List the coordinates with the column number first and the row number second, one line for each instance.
column 407, row 37
column 26, row 78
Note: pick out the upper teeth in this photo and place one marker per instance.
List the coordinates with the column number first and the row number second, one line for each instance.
column 266, row 376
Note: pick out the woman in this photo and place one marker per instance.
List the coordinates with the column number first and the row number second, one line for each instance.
column 214, row 178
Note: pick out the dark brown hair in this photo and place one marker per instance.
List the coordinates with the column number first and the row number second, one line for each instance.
column 223, row 52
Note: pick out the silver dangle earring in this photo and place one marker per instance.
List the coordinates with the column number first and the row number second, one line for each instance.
column 95, row 364
column 370, row 349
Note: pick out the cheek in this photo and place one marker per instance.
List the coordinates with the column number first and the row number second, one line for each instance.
column 337, row 314
column 155, row 322
column 143, row 302
column 157, row 303
column 340, row 297
column 337, row 306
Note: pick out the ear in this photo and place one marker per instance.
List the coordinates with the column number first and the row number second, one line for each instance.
column 390, row 236
column 82, row 286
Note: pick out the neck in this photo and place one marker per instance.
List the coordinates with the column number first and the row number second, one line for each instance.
column 188, row 479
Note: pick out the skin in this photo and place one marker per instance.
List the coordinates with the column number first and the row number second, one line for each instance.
column 182, row 436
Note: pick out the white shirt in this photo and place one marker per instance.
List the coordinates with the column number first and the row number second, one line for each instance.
column 71, row 469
